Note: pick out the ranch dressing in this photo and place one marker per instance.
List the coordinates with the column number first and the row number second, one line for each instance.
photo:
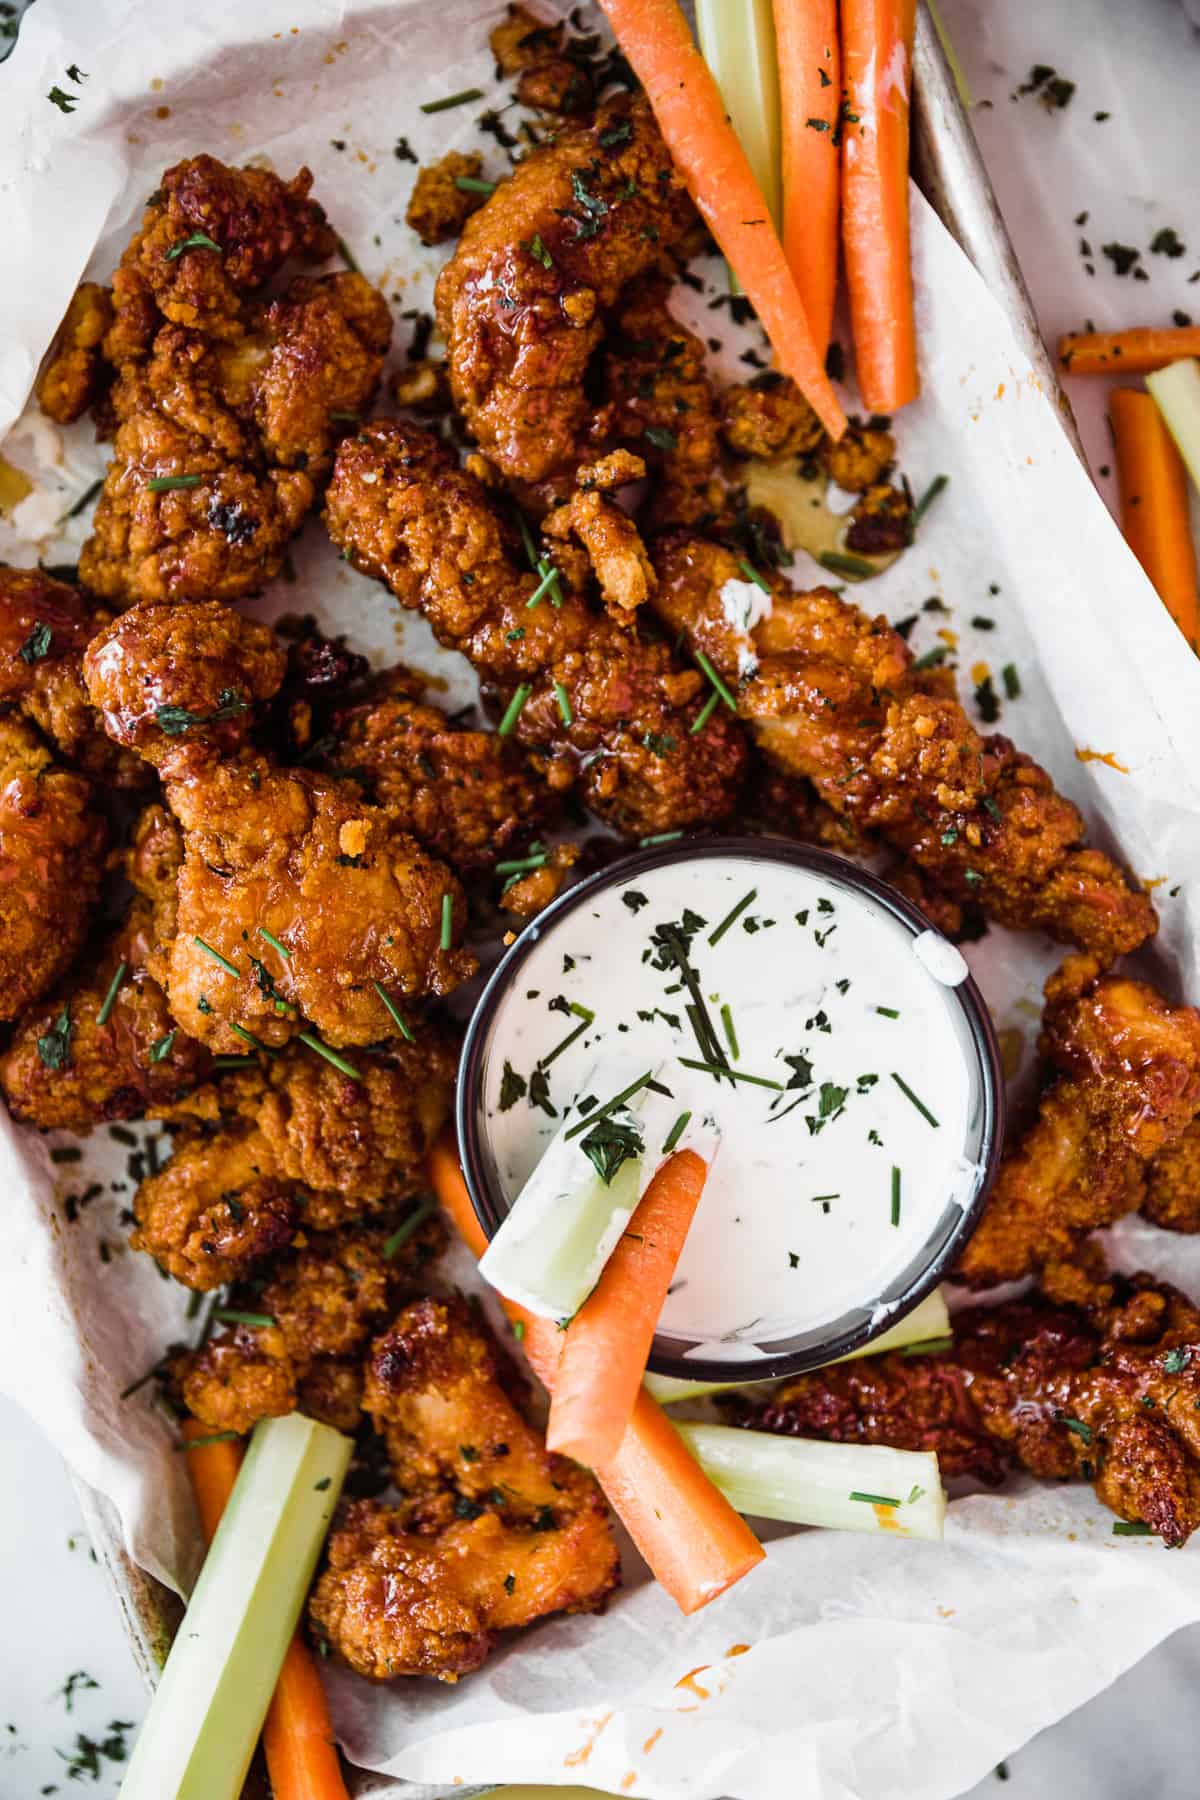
column 842, row 1137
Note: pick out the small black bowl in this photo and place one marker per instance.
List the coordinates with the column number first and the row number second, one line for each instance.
column 793, row 1354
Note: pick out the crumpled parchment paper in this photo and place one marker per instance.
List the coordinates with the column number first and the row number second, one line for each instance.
column 845, row 1665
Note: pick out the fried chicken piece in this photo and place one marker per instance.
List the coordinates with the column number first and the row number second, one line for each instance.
column 1172, row 1194
column 74, row 374
column 210, row 236
column 52, row 846
column 466, row 795
column 137, row 1061
column 45, row 625
column 304, row 1146
column 1127, row 1086
column 550, row 79
column 403, row 510
column 438, row 207
column 285, row 856
column 831, row 696
column 180, row 685
column 660, row 403
column 881, row 522
column 326, row 1299
column 521, row 303
column 1110, row 1395
column 526, row 896
column 769, row 418
column 609, row 536
column 861, row 457
column 406, row 1592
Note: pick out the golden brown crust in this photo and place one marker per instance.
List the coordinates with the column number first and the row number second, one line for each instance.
column 74, row 374
column 769, row 418
column 1172, row 1194
column 438, row 208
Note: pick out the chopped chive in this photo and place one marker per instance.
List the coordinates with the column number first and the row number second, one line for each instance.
column 752, row 574
column 928, row 1347
column 716, row 680
column 659, row 837
column 397, row 1017
column 527, row 542
column 331, row 1056
column 513, row 710
column 447, row 921
column 410, row 1227
column 731, row 918
column 937, row 486
column 931, row 659
column 1132, row 1528
column 165, row 484
column 437, row 106
column 102, row 1017
column 274, row 942
column 213, row 1437
column 523, row 864
column 248, row 1037
column 1077, row 1428
column 208, row 950
column 471, row 184
column 564, row 703
column 889, row 1012
column 1011, row 680
column 730, row 1033
column 198, row 240
column 549, row 577
column 895, row 1195
column 232, row 1062
column 565, row 1044
column 711, row 1068
column 919, row 1104
column 610, row 1106
column 85, row 499
column 160, row 1051
column 876, row 1499
column 839, row 563
column 141, row 1381
column 704, row 715
column 228, row 1316
column 676, row 1132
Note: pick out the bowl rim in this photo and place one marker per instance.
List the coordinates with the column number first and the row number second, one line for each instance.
column 489, row 1206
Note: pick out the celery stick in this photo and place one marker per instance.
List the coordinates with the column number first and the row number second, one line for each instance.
column 846, row 1487
column 1176, row 391
column 207, row 1712
column 927, row 1323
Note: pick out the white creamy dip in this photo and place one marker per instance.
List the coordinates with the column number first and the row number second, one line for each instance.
column 843, row 1136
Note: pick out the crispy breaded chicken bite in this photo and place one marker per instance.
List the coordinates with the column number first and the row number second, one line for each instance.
column 326, row 1298
column 465, row 795
column 1172, row 1193
column 210, row 236
column 494, row 1531
column 831, row 696
column 303, row 1146
column 521, row 303
column 74, row 374
column 438, row 207
column 1127, row 1086
column 1106, row 1393
column 181, row 685
column 596, row 705
column 769, row 418
column 549, row 78
column 45, row 626
column 366, row 919
column 127, row 1056
column 52, row 846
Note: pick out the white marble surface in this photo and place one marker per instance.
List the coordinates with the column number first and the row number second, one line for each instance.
column 1132, row 173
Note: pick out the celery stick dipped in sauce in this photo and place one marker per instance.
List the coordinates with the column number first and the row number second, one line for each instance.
column 790, row 1021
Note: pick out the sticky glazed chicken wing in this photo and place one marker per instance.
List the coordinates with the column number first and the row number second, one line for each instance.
column 299, row 1146
column 1108, row 1394
column 522, row 302
column 1172, row 1193
column 596, row 705
column 1126, row 1088
column 830, row 695
column 493, row 1531
column 125, row 1054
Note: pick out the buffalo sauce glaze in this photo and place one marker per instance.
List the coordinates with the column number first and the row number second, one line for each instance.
column 843, row 1128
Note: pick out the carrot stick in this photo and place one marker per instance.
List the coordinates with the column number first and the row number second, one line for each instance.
column 655, row 38
column 609, row 1339
column 694, row 1543
column 877, row 37
column 1134, row 352
column 297, row 1735
column 810, row 93
column 1154, row 505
